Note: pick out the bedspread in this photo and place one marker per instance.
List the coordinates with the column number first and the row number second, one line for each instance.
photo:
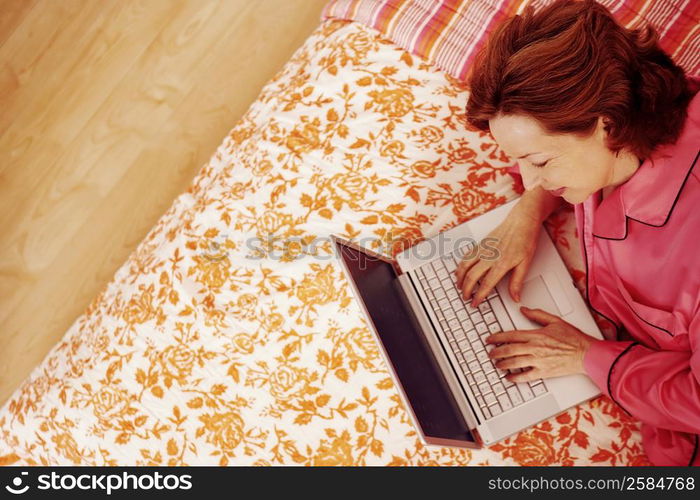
column 230, row 335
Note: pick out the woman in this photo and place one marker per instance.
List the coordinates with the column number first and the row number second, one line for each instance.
column 600, row 116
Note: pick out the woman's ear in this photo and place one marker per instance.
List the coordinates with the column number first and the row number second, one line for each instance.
column 603, row 125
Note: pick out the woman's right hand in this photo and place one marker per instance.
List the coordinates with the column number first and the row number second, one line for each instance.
column 516, row 241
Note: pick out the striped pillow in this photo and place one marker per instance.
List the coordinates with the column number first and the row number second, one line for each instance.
column 448, row 33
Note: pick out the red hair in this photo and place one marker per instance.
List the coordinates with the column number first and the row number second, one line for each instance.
column 570, row 63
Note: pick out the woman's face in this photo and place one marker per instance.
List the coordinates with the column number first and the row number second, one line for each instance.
column 581, row 166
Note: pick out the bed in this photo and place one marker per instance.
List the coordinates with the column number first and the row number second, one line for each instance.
column 230, row 335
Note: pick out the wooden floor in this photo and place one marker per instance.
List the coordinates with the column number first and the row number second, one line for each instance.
column 108, row 108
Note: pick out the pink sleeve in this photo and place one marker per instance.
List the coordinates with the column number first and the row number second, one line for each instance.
column 659, row 388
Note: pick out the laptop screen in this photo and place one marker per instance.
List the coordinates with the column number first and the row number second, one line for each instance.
column 432, row 402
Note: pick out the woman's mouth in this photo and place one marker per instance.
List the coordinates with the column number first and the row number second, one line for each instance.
column 557, row 192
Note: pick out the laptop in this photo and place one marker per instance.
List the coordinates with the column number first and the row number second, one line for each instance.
column 433, row 341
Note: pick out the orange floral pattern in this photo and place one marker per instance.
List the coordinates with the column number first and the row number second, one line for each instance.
column 230, row 335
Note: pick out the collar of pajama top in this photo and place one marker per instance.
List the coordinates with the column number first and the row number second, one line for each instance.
column 640, row 247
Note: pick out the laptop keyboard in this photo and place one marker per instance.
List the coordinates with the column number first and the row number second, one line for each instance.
column 466, row 329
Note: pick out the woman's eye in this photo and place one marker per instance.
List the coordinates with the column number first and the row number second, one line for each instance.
column 540, row 164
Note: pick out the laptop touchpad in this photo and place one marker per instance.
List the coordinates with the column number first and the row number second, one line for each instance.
column 535, row 295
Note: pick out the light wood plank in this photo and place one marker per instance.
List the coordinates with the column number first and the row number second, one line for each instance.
column 93, row 159
column 12, row 13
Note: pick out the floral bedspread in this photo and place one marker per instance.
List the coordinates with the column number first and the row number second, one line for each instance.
column 230, row 335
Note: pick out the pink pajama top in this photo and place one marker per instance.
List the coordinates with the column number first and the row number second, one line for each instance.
column 641, row 247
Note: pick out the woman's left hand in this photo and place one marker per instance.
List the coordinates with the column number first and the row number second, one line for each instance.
column 556, row 349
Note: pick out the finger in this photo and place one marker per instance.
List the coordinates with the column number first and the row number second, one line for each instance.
column 487, row 283
column 460, row 272
column 471, row 278
column 465, row 265
column 540, row 316
column 509, row 336
column 516, row 280
column 514, row 362
column 527, row 375
column 510, row 350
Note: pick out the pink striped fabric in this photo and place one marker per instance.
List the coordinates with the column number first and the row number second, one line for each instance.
column 448, row 33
